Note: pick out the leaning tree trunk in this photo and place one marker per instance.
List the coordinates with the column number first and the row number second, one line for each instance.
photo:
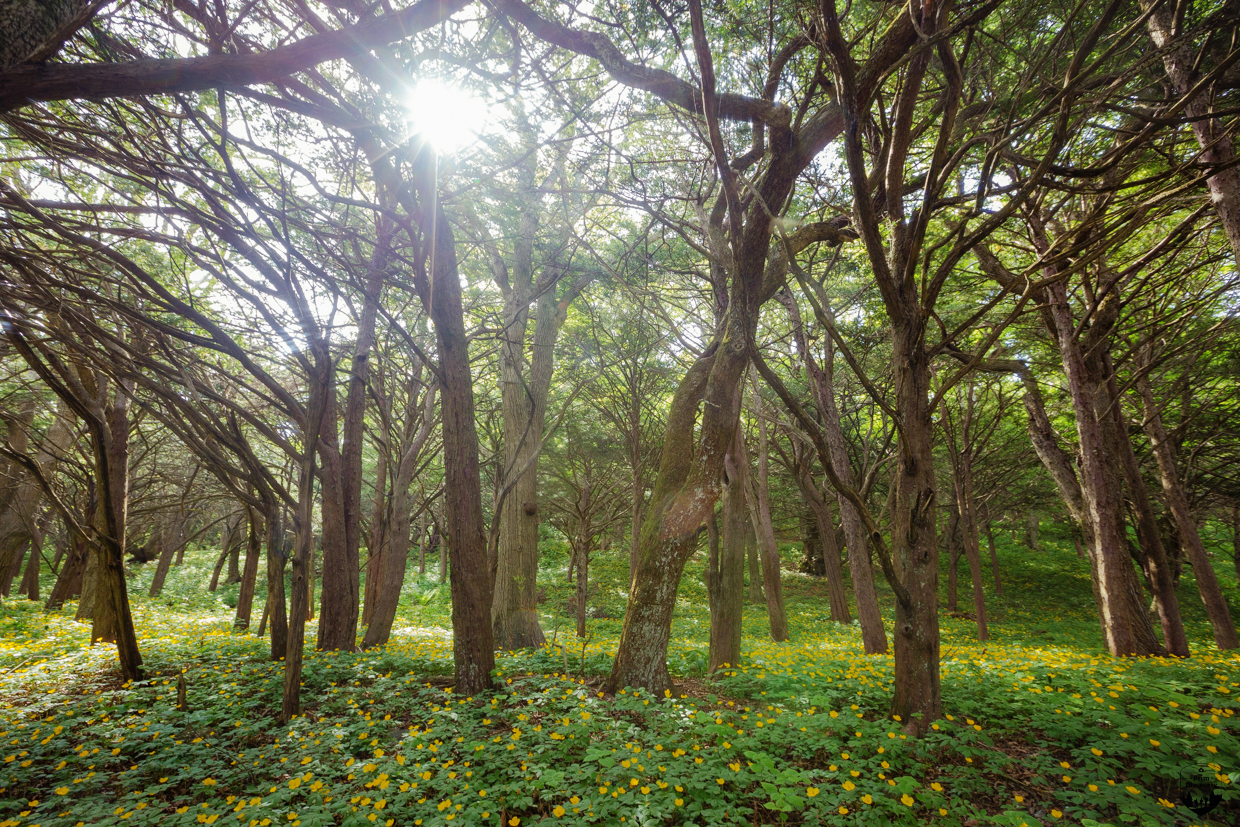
column 1157, row 567
column 169, row 541
column 820, row 513
column 686, row 489
column 1208, row 586
column 111, row 619
column 856, row 539
column 1215, row 138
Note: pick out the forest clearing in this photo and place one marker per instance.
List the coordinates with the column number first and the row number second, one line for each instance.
column 613, row 412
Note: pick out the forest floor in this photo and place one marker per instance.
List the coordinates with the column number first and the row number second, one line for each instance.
column 1042, row 727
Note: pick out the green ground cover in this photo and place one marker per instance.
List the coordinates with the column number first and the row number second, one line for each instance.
column 1042, row 726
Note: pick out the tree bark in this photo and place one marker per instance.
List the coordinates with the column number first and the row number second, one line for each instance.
column 377, row 541
column 755, row 568
column 277, row 559
column 395, row 554
column 960, row 450
column 954, row 550
column 820, row 513
column 1125, row 626
column 304, row 545
column 171, row 539
column 727, row 584
column 1208, row 586
column 25, row 84
column 1218, row 150
column 760, row 514
column 249, row 577
column 856, row 539
column 917, row 696
column 1158, row 570
column 30, row 580
column 470, row 576
column 339, row 595
column 990, row 542
column 14, row 569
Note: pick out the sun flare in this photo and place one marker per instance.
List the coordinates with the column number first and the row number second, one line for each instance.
column 448, row 117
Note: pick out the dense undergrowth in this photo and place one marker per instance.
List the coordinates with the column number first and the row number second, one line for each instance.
column 1042, row 726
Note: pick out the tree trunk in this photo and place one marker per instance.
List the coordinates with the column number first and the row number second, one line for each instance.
column 635, row 516
column 249, row 577
column 960, row 450
column 219, row 562
column 837, row 590
column 685, row 492
column 472, row 643
column 812, row 562
column 1157, row 567
column 990, row 542
column 1031, row 530
column 422, row 541
column 14, row 569
column 953, row 556
column 727, row 605
column 583, row 583
column 856, row 539
column 1212, row 134
column 304, row 540
column 22, row 495
column 1208, row 586
column 351, row 456
column 917, row 697
column 377, row 542
column 234, row 556
column 111, row 619
column 30, row 580
column 395, row 553
column 277, row 559
column 514, row 613
column 820, row 514
column 760, row 513
column 169, row 543
column 73, row 570
column 1125, row 626
column 339, row 599
column 755, row 568
column 441, row 544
